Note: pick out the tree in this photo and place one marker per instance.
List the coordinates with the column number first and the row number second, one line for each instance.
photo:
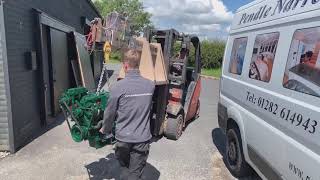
column 138, row 18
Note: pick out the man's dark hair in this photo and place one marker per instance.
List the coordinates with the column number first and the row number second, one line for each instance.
column 132, row 57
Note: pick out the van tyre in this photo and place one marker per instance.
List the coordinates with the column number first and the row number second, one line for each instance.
column 234, row 155
column 174, row 127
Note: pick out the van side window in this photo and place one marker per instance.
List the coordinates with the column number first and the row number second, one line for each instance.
column 264, row 51
column 237, row 55
column 302, row 72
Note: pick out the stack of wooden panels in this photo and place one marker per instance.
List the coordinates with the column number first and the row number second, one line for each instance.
column 82, row 68
column 152, row 65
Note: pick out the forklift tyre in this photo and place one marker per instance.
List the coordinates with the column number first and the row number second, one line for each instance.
column 174, row 127
column 198, row 110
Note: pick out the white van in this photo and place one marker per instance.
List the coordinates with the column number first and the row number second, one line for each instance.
column 269, row 104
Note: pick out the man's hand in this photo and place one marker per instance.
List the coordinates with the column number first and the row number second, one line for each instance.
column 108, row 136
column 105, row 136
column 102, row 130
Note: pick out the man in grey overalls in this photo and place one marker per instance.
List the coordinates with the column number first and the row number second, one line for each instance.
column 130, row 105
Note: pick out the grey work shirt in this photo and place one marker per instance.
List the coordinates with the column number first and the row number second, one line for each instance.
column 130, row 104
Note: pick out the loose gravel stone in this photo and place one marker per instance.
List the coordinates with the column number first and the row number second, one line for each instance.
column 3, row 154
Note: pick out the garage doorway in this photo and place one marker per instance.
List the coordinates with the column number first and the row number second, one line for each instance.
column 61, row 68
column 54, row 64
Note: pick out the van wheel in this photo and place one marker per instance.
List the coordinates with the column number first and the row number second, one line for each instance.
column 174, row 127
column 234, row 155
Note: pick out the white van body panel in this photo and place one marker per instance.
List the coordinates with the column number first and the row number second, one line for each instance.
column 274, row 12
column 271, row 140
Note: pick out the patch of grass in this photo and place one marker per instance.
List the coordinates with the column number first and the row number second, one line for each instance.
column 212, row 72
column 114, row 61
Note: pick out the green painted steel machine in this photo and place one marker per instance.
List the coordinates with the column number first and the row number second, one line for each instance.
column 84, row 113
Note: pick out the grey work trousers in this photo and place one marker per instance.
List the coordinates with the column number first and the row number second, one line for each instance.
column 133, row 159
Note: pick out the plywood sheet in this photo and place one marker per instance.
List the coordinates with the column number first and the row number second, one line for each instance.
column 122, row 74
column 152, row 64
column 83, row 58
column 159, row 66
column 146, row 63
column 76, row 72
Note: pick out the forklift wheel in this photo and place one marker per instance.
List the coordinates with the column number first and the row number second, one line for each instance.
column 174, row 127
column 198, row 110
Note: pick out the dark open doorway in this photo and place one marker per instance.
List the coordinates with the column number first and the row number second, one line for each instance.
column 54, row 64
column 61, row 67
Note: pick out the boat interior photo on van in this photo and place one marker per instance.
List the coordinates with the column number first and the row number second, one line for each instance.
column 237, row 55
column 303, row 66
column 264, row 51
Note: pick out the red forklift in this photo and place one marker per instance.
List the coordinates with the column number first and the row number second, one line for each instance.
column 177, row 102
column 165, row 59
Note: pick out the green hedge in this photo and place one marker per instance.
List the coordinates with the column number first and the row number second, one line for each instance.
column 211, row 51
column 116, row 56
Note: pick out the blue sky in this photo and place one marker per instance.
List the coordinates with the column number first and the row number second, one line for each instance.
column 208, row 19
column 233, row 5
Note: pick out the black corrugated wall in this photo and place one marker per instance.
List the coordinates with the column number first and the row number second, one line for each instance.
column 21, row 37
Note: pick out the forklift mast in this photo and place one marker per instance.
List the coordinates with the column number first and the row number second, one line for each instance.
column 183, row 90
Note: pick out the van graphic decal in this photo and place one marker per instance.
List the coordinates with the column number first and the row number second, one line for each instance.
column 238, row 55
column 264, row 51
column 303, row 65
column 274, row 9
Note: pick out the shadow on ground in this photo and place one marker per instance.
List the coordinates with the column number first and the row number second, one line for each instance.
column 190, row 122
column 107, row 75
column 219, row 139
column 109, row 168
column 51, row 123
